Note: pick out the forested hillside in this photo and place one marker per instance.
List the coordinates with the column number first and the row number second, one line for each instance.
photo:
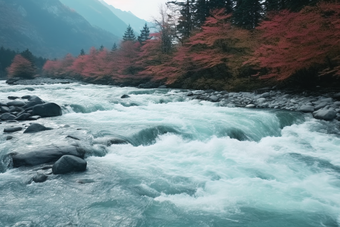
column 223, row 45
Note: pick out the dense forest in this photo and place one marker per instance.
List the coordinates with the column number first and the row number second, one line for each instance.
column 19, row 63
column 214, row 44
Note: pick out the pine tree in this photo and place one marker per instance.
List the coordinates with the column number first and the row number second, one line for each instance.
column 201, row 12
column 248, row 13
column 186, row 25
column 28, row 55
column 82, row 52
column 114, row 47
column 144, row 34
column 129, row 34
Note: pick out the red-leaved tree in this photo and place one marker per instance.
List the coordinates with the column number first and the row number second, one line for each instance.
column 21, row 67
column 295, row 41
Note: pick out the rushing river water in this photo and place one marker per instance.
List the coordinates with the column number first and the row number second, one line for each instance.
column 188, row 163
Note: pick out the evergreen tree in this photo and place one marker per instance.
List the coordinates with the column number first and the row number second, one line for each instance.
column 248, row 13
column 82, row 52
column 186, row 25
column 114, row 47
column 201, row 12
column 129, row 34
column 6, row 58
column 28, row 55
column 144, row 34
column 293, row 5
column 101, row 48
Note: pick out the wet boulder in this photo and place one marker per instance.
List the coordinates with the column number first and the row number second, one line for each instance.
column 7, row 117
column 125, row 96
column 32, row 101
column 68, row 164
column 12, row 97
column 47, row 110
column 45, row 155
column 22, row 116
column 306, row 108
column 12, row 129
column 325, row 114
column 33, row 128
column 40, row 178
column 16, row 103
column 4, row 109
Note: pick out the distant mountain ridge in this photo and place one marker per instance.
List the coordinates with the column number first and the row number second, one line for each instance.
column 98, row 15
column 129, row 18
column 48, row 28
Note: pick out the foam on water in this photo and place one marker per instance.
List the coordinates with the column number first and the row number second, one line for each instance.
column 190, row 163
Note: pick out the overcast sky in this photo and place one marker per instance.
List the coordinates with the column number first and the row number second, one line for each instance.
column 146, row 10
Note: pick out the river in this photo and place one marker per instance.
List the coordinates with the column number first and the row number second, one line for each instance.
column 188, row 163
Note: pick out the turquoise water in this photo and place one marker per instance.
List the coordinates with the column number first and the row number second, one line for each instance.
column 188, row 163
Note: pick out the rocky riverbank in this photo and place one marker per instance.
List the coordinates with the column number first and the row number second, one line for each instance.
column 323, row 106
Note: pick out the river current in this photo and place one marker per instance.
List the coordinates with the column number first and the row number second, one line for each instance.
column 188, row 163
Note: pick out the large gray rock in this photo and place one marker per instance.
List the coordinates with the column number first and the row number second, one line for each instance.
column 12, row 129
column 325, row 114
column 32, row 101
column 33, row 128
column 306, row 108
column 47, row 110
column 45, row 155
column 4, row 109
column 7, row 117
column 16, row 103
column 68, row 164
column 22, row 116
column 320, row 105
column 214, row 98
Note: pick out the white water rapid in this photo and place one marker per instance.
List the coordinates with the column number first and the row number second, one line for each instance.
column 188, row 163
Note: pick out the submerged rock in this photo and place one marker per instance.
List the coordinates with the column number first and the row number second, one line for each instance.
column 68, row 164
column 39, row 178
column 34, row 127
column 125, row 96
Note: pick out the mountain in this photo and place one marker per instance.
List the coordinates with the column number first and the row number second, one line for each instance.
column 48, row 28
column 98, row 15
column 135, row 22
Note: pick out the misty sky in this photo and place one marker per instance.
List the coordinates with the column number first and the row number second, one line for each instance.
column 143, row 9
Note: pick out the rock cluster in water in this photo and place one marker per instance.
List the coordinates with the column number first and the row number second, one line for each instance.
column 27, row 108
column 64, row 159
column 324, row 107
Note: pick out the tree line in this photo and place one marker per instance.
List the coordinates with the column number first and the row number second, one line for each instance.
column 26, row 65
column 216, row 44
